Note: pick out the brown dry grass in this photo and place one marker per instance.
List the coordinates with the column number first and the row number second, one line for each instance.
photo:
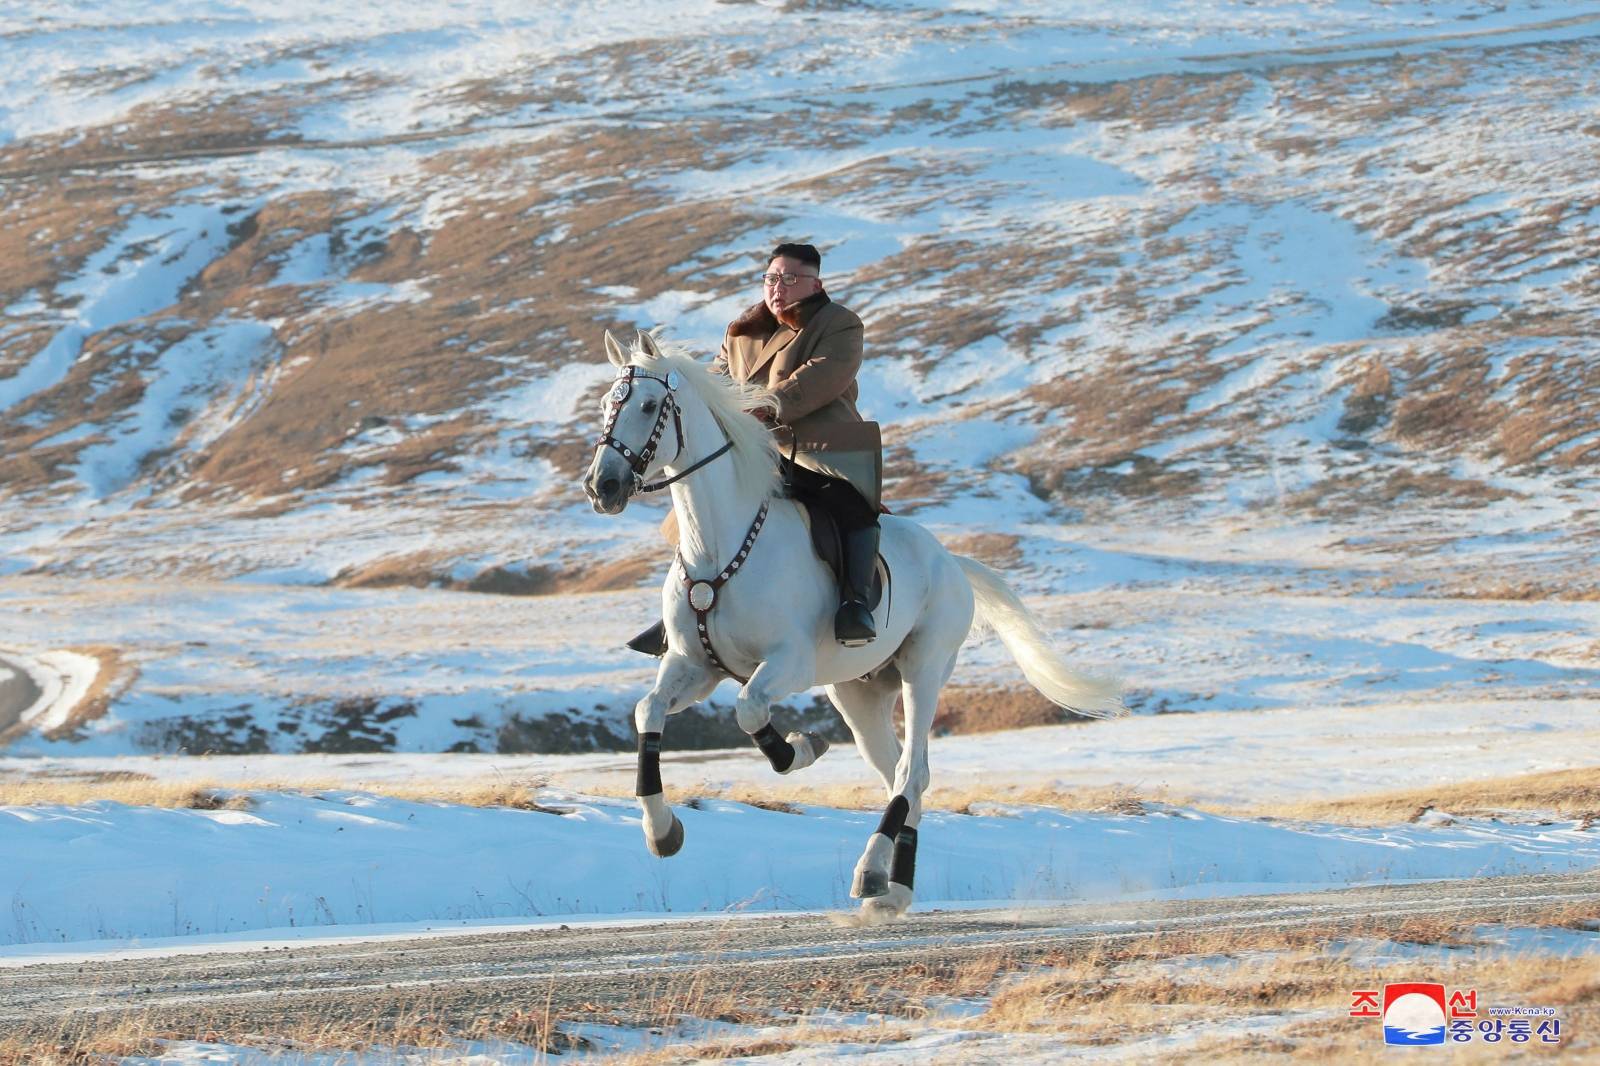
column 133, row 789
column 795, row 1036
column 988, row 709
column 1152, row 986
column 1116, row 990
column 1350, row 495
column 1001, row 551
column 511, row 278
column 1145, row 103
column 1580, row 590
column 423, row 360
column 49, row 230
column 1097, row 1007
column 143, row 791
column 1331, row 1036
column 1567, row 793
column 432, row 570
column 1115, row 955
column 82, row 1041
column 126, row 1037
column 1118, row 799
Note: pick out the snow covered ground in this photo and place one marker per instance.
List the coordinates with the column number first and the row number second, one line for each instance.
column 1260, row 335
column 1237, row 258
column 1261, row 760
column 242, row 667
column 274, row 861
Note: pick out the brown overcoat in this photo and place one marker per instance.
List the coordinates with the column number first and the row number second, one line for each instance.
column 812, row 372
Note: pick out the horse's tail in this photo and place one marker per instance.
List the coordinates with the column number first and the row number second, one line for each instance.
column 999, row 608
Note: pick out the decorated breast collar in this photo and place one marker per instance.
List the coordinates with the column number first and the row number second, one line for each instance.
column 702, row 595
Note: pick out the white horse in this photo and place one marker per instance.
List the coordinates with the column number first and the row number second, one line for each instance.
column 749, row 599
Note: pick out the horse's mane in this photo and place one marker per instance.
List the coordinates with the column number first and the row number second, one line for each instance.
column 755, row 452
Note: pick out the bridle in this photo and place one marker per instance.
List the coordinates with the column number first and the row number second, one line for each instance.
column 640, row 461
column 701, row 594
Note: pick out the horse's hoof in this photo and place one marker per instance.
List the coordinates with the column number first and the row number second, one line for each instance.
column 869, row 884
column 886, row 907
column 808, row 748
column 668, row 845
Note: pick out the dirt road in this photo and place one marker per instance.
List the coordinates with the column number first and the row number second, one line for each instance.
column 641, row 973
column 18, row 691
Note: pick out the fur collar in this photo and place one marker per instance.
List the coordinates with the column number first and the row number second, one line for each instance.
column 757, row 321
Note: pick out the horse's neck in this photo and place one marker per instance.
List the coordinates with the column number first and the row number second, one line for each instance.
column 713, row 515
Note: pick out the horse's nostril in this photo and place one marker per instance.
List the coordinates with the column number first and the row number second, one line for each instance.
column 610, row 486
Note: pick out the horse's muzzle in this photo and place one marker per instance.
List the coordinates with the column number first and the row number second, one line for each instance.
column 608, row 491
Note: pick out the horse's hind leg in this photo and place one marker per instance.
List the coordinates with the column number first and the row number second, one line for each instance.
column 785, row 671
column 868, row 709
column 679, row 683
column 896, row 838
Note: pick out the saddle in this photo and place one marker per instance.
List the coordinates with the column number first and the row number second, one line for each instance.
column 828, row 543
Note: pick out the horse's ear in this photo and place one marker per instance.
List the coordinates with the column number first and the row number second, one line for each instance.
column 614, row 351
column 647, row 345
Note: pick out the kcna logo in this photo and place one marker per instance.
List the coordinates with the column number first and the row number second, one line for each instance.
column 1419, row 1013
column 1414, row 1013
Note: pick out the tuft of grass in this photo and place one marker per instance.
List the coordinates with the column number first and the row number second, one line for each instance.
column 790, row 796
column 201, row 799
column 1109, row 1002
column 412, row 1025
column 133, row 789
column 122, row 1039
column 1566, row 794
column 1569, row 793
column 142, row 791
column 1577, row 591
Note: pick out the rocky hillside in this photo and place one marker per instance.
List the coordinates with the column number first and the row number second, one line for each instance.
column 314, row 298
column 1332, row 269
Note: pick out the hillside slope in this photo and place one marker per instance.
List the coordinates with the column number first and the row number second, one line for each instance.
column 1298, row 298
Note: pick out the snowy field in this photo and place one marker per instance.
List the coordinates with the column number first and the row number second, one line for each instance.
column 281, row 862
column 1253, row 342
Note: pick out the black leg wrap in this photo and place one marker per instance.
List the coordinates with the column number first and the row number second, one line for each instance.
column 779, row 752
column 648, row 782
column 903, row 869
column 894, row 817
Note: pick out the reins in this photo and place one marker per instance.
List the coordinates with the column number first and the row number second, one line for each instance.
column 656, row 486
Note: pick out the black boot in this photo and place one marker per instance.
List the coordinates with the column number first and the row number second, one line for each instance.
column 852, row 626
column 652, row 641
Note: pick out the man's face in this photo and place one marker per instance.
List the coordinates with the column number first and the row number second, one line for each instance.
column 776, row 295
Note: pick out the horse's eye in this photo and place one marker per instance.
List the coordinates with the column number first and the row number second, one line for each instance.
column 649, row 407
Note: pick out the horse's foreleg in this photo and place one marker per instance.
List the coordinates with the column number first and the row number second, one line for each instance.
column 679, row 683
column 782, row 673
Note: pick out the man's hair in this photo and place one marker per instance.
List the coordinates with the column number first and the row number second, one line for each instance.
column 805, row 253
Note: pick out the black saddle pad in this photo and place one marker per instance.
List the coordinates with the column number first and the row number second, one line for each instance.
column 828, row 542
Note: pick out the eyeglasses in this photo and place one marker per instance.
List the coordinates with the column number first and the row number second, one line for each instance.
column 771, row 280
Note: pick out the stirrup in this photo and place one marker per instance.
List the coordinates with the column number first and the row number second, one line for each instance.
column 852, row 625
column 652, row 641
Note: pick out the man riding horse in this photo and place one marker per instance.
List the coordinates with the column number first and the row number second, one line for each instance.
column 807, row 350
